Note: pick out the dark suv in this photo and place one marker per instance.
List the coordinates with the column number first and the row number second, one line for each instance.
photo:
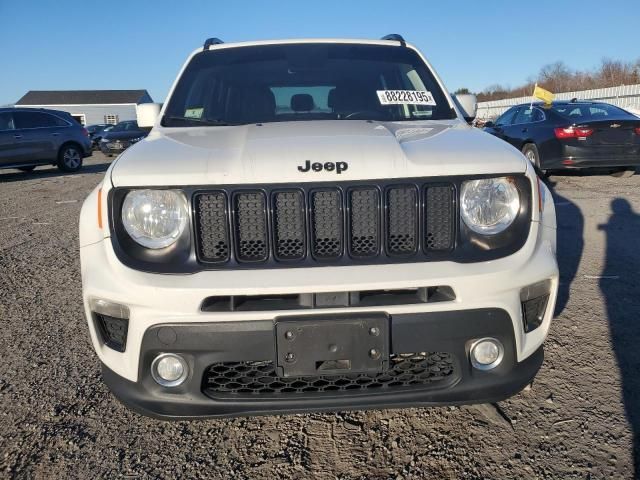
column 30, row 137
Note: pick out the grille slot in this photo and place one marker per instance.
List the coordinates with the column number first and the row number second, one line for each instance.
column 258, row 378
column 365, row 222
column 439, row 206
column 213, row 230
column 326, row 224
column 251, row 226
column 362, row 298
column 289, row 225
column 402, row 215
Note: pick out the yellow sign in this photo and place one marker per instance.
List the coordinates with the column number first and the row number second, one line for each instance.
column 545, row 95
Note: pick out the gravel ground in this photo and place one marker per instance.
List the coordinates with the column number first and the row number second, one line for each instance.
column 58, row 420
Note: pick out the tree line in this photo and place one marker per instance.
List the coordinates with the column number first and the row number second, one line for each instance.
column 558, row 77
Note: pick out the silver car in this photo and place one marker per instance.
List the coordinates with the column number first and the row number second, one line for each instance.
column 30, row 137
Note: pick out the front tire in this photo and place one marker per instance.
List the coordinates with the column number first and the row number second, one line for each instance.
column 70, row 158
column 531, row 152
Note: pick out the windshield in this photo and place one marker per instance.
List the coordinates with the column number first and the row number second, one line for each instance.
column 276, row 83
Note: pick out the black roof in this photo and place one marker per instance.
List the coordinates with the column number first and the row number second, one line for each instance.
column 28, row 109
column 83, row 97
column 561, row 102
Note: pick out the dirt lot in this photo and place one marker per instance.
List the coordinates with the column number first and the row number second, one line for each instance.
column 57, row 419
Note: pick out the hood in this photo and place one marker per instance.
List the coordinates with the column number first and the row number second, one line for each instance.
column 310, row 151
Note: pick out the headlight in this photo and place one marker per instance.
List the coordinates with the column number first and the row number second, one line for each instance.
column 155, row 218
column 136, row 140
column 490, row 205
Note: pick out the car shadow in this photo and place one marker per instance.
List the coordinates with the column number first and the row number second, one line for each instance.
column 11, row 175
column 620, row 286
column 570, row 243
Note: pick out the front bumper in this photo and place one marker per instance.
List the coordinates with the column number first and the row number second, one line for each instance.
column 206, row 344
column 487, row 303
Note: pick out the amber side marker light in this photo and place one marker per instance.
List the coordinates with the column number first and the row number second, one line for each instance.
column 100, row 208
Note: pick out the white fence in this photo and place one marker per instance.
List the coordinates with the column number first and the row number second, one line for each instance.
column 625, row 96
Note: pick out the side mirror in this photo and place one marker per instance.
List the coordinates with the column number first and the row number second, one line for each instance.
column 147, row 114
column 489, row 124
column 467, row 104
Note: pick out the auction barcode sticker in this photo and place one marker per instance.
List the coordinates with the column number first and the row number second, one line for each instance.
column 405, row 97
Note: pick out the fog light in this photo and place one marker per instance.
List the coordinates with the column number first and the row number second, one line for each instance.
column 169, row 370
column 486, row 353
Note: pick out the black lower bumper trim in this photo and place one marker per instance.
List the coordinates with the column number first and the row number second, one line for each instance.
column 205, row 344
column 601, row 162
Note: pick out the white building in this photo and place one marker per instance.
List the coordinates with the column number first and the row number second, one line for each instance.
column 89, row 106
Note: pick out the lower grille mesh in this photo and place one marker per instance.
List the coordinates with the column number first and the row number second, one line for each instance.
column 407, row 370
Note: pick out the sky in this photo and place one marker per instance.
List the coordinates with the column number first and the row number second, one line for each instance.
column 118, row 44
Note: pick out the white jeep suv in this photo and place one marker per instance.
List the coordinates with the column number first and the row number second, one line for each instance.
column 313, row 225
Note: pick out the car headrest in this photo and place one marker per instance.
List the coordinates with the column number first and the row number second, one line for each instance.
column 331, row 99
column 302, row 102
column 347, row 98
column 259, row 103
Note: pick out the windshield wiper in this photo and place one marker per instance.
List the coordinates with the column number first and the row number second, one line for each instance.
column 194, row 121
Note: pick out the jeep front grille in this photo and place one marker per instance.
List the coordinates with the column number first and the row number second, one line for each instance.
column 406, row 371
column 314, row 224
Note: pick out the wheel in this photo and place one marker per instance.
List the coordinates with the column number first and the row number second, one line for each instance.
column 531, row 152
column 27, row 169
column 624, row 173
column 70, row 158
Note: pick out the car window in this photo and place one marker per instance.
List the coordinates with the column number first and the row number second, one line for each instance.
column 6, row 121
column 586, row 112
column 319, row 97
column 507, row 117
column 59, row 122
column 598, row 112
column 33, row 120
column 525, row 115
column 538, row 116
column 132, row 126
column 274, row 83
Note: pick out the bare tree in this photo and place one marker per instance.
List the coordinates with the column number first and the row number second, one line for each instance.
column 558, row 77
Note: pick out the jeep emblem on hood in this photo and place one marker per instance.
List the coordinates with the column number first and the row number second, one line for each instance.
column 339, row 167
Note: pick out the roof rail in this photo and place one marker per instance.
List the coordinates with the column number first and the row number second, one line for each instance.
column 211, row 41
column 395, row 36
